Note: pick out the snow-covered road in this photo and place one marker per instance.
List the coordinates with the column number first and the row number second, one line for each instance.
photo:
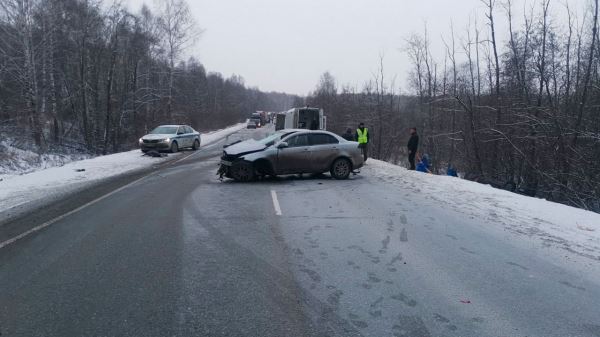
column 388, row 252
column 54, row 182
column 403, row 253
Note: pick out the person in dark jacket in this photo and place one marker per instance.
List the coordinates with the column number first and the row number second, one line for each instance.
column 362, row 137
column 413, row 145
column 348, row 135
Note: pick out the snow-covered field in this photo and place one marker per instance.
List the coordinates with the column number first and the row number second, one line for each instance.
column 573, row 229
column 20, row 189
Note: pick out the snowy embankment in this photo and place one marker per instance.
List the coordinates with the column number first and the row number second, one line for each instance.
column 15, row 161
column 573, row 229
column 49, row 183
column 215, row 136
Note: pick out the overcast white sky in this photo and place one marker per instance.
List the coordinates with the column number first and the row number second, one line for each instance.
column 285, row 45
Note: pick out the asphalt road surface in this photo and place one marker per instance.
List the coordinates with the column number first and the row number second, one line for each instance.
column 180, row 253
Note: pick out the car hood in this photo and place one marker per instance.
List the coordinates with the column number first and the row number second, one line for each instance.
column 157, row 136
column 245, row 147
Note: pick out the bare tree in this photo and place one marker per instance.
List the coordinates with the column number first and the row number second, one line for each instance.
column 179, row 29
column 588, row 74
column 19, row 16
column 490, row 4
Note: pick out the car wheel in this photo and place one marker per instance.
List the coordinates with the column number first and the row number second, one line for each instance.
column 263, row 168
column 341, row 168
column 242, row 171
column 196, row 145
column 174, row 147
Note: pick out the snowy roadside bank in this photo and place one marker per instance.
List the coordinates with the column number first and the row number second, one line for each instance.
column 50, row 183
column 572, row 229
column 215, row 136
column 15, row 161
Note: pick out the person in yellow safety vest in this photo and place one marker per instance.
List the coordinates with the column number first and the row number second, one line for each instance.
column 362, row 137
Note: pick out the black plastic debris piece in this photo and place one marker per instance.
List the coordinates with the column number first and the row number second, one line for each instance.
column 155, row 154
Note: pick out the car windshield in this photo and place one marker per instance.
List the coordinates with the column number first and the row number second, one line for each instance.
column 165, row 130
column 272, row 139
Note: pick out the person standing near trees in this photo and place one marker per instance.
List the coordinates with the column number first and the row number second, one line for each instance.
column 413, row 145
column 362, row 137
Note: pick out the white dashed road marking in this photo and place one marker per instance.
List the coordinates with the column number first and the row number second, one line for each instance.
column 276, row 203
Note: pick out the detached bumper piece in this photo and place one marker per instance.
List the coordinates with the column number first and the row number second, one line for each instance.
column 223, row 171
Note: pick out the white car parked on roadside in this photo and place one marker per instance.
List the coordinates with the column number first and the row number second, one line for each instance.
column 170, row 138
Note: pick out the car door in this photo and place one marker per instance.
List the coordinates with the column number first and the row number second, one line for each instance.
column 295, row 157
column 195, row 135
column 189, row 135
column 180, row 137
column 323, row 150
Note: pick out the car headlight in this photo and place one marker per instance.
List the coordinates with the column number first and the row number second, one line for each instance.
column 141, row 140
column 167, row 140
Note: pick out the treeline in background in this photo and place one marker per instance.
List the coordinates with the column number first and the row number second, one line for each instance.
column 79, row 74
column 523, row 116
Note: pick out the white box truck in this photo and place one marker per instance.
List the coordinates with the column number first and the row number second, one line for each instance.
column 302, row 118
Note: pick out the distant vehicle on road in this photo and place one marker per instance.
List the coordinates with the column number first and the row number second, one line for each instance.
column 291, row 152
column 264, row 117
column 302, row 118
column 256, row 120
column 170, row 138
column 251, row 124
column 261, row 116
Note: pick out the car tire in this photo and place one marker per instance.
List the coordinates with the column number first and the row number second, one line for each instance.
column 174, row 147
column 196, row 145
column 263, row 168
column 341, row 169
column 242, row 171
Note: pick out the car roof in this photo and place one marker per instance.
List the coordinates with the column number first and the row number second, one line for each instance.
column 172, row 125
column 289, row 132
column 308, row 131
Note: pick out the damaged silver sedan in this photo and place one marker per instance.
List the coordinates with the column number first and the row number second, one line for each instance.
column 291, row 152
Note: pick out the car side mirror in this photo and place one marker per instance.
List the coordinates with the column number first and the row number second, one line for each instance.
column 282, row 145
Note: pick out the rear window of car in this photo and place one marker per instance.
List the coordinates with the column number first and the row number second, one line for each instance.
column 322, row 138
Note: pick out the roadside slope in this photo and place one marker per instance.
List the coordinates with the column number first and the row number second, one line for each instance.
column 569, row 228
